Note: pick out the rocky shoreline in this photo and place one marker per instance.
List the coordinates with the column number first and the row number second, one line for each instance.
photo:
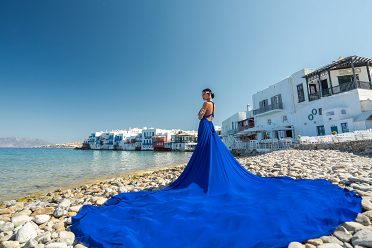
column 43, row 221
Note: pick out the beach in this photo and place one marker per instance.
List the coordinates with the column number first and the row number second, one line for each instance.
column 43, row 220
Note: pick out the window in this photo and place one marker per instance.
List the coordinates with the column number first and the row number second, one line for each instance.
column 300, row 93
column 232, row 125
column 347, row 79
column 284, row 118
column 320, row 111
column 269, row 121
column 344, row 127
column 330, row 113
column 343, row 111
column 264, row 103
column 276, row 99
column 321, row 130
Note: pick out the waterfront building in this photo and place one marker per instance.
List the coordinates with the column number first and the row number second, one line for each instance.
column 336, row 98
column 148, row 134
column 184, row 141
column 94, row 140
column 230, row 128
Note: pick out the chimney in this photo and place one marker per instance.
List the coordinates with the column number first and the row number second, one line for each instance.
column 248, row 107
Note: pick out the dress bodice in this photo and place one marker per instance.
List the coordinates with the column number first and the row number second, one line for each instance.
column 206, row 116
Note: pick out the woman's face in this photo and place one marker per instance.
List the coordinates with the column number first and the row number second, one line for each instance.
column 206, row 96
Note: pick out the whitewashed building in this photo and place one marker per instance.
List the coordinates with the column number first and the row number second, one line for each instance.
column 230, row 128
column 149, row 133
column 334, row 98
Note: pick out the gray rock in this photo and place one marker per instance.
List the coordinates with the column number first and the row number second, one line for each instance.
column 80, row 245
column 122, row 190
column 368, row 214
column 68, row 221
column 331, row 239
column 67, row 237
column 18, row 220
column 75, row 208
column 296, row 245
column 44, row 238
column 6, row 226
column 9, row 203
column 362, row 238
column 11, row 244
column 25, row 233
column 56, row 245
column 37, row 206
column 40, row 219
column 347, row 245
column 25, row 212
column 59, row 212
column 330, row 245
column 366, row 204
column 363, row 219
column 31, row 243
column 65, row 204
column 343, row 236
column 351, row 226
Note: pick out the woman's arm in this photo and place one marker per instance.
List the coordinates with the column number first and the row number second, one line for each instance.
column 202, row 111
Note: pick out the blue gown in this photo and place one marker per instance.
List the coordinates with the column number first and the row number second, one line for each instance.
column 217, row 203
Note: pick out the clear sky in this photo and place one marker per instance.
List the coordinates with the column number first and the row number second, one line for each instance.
column 71, row 67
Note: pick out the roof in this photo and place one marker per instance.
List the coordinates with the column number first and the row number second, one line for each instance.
column 341, row 64
column 364, row 116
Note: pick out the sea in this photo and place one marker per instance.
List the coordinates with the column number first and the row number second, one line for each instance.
column 31, row 171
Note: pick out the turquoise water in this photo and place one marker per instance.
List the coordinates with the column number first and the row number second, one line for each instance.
column 28, row 171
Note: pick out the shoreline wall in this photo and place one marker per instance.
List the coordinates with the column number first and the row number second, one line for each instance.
column 360, row 147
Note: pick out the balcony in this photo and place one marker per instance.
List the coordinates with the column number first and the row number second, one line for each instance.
column 339, row 89
column 232, row 131
column 269, row 109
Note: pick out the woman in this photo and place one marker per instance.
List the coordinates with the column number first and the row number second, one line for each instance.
column 217, row 203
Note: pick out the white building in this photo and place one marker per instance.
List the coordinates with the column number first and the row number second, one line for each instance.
column 148, row 134
column 230, row 128
column 184, row 141
column 336, row 97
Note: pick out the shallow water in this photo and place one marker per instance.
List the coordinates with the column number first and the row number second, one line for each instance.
column 25, row 171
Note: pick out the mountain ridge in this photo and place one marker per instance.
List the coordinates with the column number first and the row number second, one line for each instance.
column 22, row 142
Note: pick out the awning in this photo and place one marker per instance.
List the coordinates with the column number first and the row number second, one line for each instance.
column 364, row 116
column 280, row 128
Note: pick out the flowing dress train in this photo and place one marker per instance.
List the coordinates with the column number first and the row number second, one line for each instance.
column 216, row 202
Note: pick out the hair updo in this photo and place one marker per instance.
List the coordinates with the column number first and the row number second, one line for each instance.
column 208, row 91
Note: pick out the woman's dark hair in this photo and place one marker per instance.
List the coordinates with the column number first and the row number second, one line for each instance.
column 208, row 91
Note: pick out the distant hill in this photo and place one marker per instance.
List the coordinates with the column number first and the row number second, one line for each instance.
column 18, row 142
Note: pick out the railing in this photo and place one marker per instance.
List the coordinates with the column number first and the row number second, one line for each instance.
column 274, row 106
column 339, row 89
column 232, row 131
column 326, row 92
column 314, row 96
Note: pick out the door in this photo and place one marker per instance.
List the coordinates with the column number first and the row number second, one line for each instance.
column 334, row 128
column 321, row 130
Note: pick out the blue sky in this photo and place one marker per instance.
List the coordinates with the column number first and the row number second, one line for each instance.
column 68, row 68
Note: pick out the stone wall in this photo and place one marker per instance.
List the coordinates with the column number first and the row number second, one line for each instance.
column 361, row 147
